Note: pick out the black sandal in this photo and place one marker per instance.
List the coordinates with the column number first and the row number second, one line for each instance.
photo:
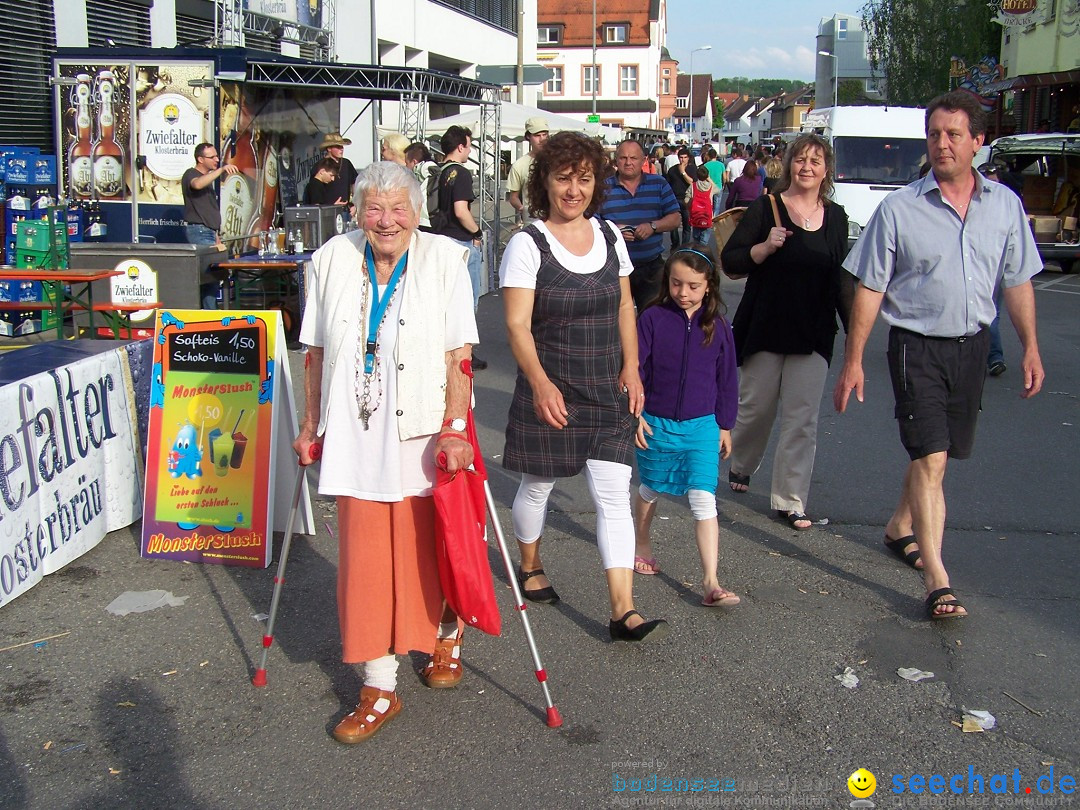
column 898, row 545
column 655, row 629
column 935, row 600
column 545, row 596
column 734, row 480
column 794, row 517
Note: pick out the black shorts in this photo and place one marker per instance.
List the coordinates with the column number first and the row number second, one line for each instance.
column 938, row 384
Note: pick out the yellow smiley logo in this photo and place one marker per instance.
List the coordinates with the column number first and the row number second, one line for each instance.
column 862, row 784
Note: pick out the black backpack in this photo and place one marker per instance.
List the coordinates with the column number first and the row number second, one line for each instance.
column 437, row 218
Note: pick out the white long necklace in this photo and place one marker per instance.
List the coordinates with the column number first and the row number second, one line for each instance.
column 362, row 383
column 805, row 218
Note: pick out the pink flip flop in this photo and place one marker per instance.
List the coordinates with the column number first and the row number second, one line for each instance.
column 646, row 565
column 719, row 597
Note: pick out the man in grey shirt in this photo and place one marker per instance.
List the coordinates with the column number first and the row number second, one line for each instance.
column 929, row 260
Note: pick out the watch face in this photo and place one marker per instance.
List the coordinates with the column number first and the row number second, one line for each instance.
column 457, row 424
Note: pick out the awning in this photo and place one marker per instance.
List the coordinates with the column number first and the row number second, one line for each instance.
column 1032, row 80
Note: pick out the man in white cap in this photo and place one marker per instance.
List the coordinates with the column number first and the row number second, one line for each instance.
column 536, row 133
column 341, row 188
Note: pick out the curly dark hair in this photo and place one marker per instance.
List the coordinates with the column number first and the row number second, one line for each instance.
column 566, row 150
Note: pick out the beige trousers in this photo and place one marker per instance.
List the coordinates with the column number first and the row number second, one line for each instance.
column 794, row 383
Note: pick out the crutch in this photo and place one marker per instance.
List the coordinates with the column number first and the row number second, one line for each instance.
column 259, row 678
column 554, row 719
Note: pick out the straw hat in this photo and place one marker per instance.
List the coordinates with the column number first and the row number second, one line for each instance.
column 334, row 139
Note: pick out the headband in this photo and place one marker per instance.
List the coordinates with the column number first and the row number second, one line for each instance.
column 698, row 252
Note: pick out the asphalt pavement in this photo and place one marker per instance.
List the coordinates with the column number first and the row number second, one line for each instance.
column 743, row 706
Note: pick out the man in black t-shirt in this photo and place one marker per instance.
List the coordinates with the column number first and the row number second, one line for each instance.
column 342, row 187
column 201, row 210
column 320, row 188
column 455, row 195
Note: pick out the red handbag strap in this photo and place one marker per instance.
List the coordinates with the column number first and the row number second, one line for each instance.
column 470, row 425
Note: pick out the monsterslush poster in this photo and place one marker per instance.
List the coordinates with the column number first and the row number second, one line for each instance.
column 211, row 423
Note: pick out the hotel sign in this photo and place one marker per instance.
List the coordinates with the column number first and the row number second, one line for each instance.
column 1019, row 12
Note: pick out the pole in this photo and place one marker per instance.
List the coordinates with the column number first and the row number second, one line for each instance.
column 690, row 101
column 594, row 72
column 521, row 52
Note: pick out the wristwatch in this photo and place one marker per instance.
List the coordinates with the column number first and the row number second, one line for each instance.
column 653, row 226
column 455, row 424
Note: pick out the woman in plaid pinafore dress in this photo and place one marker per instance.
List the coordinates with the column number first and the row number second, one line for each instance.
column 570, row 318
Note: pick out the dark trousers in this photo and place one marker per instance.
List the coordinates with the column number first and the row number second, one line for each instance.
column 645, row 281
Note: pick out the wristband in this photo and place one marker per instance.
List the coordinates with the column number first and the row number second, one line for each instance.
column 452, row 435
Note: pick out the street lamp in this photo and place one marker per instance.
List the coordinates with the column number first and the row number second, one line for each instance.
column 836, row 70
column 690, row 101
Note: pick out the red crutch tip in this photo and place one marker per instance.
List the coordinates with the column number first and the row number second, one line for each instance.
column 267, row 641
column 260, row 680
column 554, row 719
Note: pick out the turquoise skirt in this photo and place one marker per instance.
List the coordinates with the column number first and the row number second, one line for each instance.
column 681, row 455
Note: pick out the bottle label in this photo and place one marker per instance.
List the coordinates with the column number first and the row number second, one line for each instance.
column 79, row 172
column 108, row 176
column 237, row 205
column 270, row 173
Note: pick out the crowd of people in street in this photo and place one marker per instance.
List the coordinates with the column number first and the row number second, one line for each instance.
column 625, row 355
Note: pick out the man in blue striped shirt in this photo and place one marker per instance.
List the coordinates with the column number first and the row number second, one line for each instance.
column 643, row 206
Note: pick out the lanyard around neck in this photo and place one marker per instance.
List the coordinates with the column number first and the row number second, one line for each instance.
column 378, row 304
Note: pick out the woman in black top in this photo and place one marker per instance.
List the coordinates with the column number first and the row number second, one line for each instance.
column 681, row 177
column 786, row 323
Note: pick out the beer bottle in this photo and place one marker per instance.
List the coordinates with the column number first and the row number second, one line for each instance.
column 269, row 195
column 108, row 156
column 238, row 190
column 80, row 166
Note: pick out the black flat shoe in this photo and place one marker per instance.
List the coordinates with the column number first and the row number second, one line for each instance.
column 478, row 364
column 545, row 596
column 655, row 629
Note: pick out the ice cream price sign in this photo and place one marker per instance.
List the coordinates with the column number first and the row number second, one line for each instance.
column 215, row 436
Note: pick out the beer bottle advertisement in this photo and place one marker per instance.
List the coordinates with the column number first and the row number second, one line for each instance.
column 268, row 197
column 108, row 155
column 238, row 191
column 80, row 169
column 173, row 117
column 102, row 93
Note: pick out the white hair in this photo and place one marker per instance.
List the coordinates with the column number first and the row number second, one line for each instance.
column 384, row 177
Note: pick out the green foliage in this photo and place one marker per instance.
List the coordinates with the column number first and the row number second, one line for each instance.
column 850, row 93
column 911, row 43
column 756, row 88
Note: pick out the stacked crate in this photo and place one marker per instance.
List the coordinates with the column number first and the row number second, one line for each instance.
column 40, row 244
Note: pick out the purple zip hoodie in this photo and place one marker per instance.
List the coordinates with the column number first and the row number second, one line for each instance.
column 683, row 378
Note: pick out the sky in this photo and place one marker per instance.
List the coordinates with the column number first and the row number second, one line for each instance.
column 766, row 39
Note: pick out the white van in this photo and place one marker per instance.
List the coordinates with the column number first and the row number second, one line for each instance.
column 877, row 149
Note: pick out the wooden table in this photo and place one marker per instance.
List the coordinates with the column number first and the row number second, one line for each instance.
column 249, row 269
column 80, row 296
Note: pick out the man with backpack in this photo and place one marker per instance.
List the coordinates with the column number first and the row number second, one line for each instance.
column 452, row 216
column 701, row 195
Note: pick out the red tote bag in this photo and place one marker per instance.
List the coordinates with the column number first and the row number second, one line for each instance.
column 461, row 541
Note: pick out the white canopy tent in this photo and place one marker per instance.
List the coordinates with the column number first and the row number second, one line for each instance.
column 512, row 118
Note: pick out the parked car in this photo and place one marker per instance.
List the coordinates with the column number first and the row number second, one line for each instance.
column 1046, row 168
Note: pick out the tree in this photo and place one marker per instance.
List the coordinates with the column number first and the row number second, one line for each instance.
column 851, row 93
column 911, row 43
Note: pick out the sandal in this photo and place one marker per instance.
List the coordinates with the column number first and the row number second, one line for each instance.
column 937, row 599
column 720, row 597
column 738, row 483
column 646, row 565
column 655, row 629
column 444, row 670
column 898, row 545
column 375, row 708
column 794, row 519
column 545, row 596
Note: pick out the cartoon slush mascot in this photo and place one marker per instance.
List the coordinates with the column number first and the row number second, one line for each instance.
column 185, row 456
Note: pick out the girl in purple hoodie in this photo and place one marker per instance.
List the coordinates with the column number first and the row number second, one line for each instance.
column 687, row 360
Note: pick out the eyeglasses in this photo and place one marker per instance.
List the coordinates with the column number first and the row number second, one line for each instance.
column 209, row 157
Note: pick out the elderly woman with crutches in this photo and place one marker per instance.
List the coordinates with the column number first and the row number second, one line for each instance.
column 388, row 321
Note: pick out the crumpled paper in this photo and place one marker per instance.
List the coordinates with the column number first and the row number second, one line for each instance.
column 848, row 678
column 914, row 675
column 142, row 601
column 976, row 720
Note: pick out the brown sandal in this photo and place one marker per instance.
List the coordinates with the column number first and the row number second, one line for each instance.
column 366, row 719
column 444, row 669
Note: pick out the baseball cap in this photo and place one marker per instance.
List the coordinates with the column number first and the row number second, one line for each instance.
column 536, row 124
